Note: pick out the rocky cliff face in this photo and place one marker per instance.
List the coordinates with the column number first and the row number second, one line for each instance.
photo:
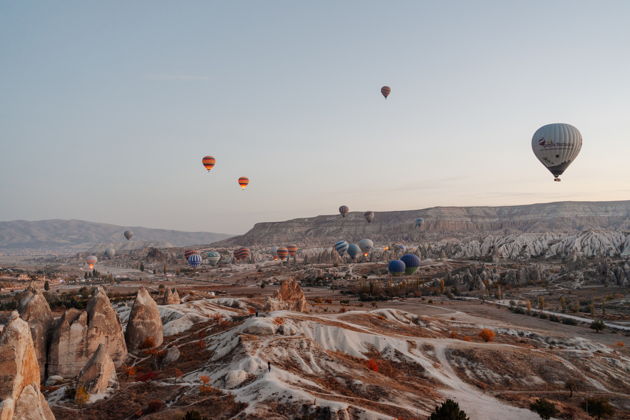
column 144, row 328
column 34, row 309
column 20, row 396
column 441, row 223
column 77, row 335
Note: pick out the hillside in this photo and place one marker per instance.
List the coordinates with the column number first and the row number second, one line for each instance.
column 443, row 223
column 78, row 235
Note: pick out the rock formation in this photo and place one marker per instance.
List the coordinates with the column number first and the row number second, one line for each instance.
column 20, row 396
column 77, row 335
column 144, row 328
column 171, row 297
column 34, row 309
column 288, row 297
column 98, row 374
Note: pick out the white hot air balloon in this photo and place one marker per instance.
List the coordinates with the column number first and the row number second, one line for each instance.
column 556, row 146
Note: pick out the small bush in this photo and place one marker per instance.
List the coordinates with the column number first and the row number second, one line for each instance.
column 278, row 321
column 81, row 396
column 569, row 321
column 449, row 410
column 544, row 408
column 598, row 407
column 372, row 365
column 597, row 325
column 487, row 335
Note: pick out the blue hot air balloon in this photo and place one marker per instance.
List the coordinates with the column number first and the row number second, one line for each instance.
column 354, row 250
column 194, row 260
column 341, row 247
column 412, row 262
column 396, row 267
column 419, row 222
column 213, row 257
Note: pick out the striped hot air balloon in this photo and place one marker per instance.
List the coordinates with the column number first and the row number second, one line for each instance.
column 213, row 257
column 208, row 162
column 190, row 252
column 241, row 254
column 396, row 267
column 283, row 253
column 412, row 262
column 343, row 210
column 353, row 250
column 91, row 260
column 293, row 249
column 385, row 91
column 194, row 260
column 243, row 182
column 556, row 146
column 341, row 247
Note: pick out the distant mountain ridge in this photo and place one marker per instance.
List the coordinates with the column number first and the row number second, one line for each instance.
column 79, row 235
column 442, row 223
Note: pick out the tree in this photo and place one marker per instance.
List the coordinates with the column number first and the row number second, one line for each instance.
column 46, row 286
column 598, row 407
column 598, row 325
column 541, row 303
column 449, row 410
column 141, row 266
column 545, row 409
column 571, row 385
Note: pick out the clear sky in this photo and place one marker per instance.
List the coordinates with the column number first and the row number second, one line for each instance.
column 106, row 108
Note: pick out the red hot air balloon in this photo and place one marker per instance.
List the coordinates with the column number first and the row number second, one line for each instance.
column 292, row 249
column 189, row 252
column 241, row 254
column 208, row 162
column 283, row 253
column 386, row 90
column 243, row 182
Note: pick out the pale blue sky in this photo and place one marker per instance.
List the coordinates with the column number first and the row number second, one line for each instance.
column 106, row 108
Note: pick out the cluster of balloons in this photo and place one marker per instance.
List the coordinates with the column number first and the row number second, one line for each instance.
column 209, row 162
column 369, row 215
column 407, row 264
column 364, row 246
column 195, row 259
column 283, row 253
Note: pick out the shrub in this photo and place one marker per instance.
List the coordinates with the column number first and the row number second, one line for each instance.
column 545, row 409
column 372, row 365
column 598, row 407
column 193, row 415
column 487, row 335
column 569, row 321
column 278, row 321
column 148, row 343
column 619, row 344
column 81, row 396
column 153, row 407
column 148, row 376
column 554, row 318
column 597, row 325
column 449, row 410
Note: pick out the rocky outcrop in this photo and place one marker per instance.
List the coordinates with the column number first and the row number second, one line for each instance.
column 171, row 297
column 144, row 328
column 77, row 335
column 20, row 396
column 288, row 297
column 34, row 309
column 99, row 374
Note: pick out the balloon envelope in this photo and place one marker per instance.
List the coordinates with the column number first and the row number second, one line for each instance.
column 241, row 253
column 91, row 260
column 341, row 247
column 385, row 91
column 343, row 210
column 110, row 252
column 194, row 260
column 412, row 262
column 419, row 222
column 243, row 182
column 556, row 146
column 396, row 267
column 292, row 250
column 213, row 257
column 366, row 245
column 190, row 252
column 128, row 234
column 369, row 216
column 282, row 253
column 353, row 250
column 208, row 162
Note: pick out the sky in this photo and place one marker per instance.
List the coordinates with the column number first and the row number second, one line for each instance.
column 107, row 108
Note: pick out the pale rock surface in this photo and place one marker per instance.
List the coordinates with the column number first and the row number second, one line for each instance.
column 34, row 309
column 144, row 328
column 99, row 374
column 171, row 297
column 288, row 297
column 234, row 378
column 20, row 396
column 78, row 334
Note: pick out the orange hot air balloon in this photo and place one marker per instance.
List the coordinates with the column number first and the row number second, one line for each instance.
column 208, row 162
column 243, row 182
column 292, row 250
column 385, row 91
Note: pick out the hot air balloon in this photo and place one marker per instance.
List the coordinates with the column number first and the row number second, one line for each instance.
column 353, row 250
column 344, row 210
column 293, row 249
column 366, row 246
column 243, row 182
column 412, row 262
column 190, row 252
column 213, row 257
column 556, row 146
column 282, row 253
column 274, row 252
column 128, row 234
column 399, row 248
column 194, row 260
column 91, row 260
column 369, row 216
column 241, row 254
column 208, row 162
column 419, row 222
column 385, row 91
column 110, row 252
column 396, row 267
column 341, row 247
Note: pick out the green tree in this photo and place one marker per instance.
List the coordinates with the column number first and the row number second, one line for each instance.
column 545, row 409
column 46, row 286
column 598, row 325
column 449, row 410
column 141, row 266
column 571, row 385
column 598, row 407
